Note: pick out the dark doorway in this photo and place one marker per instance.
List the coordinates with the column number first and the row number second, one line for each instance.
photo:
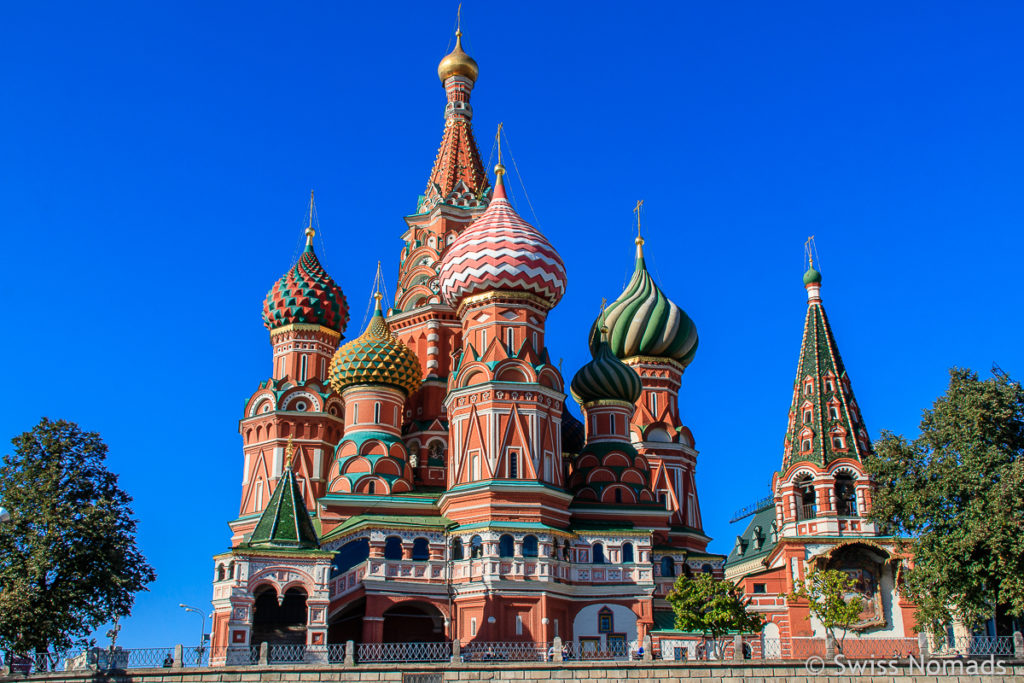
column 413, row 622
column 347, row 624
column 279, row 622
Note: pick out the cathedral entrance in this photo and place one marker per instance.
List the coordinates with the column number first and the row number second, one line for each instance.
column 413, row 622
column 279, row 621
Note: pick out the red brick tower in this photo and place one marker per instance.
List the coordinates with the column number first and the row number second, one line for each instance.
column 504, row 398
column 306, row 313
column 457, row 193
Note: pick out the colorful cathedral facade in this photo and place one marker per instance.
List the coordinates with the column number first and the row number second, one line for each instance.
column 427, row 481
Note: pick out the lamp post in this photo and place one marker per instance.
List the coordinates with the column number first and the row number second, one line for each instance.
column 202, row 635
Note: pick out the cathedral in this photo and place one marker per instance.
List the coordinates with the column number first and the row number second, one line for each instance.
column 427, row 481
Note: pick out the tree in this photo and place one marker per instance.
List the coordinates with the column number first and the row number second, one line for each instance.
column 68, row 558
column 957, row 491
column 826, row 591
column 713, row 608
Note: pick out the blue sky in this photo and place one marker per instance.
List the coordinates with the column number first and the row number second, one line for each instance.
column 156, row 160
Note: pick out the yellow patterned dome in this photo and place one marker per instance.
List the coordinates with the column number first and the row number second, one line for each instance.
column 376, row 357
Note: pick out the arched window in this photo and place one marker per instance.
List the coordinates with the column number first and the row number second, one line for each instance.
column 305, row 364
column 506, row 546
column 618, row 495
column 457, row 552
column 376, row 413
column 805, row 446
column 355, row 414
column 654, row 404
column 612, row 422
column 846, row 495
column 706, row 568
column 421, row 550
column 566, row 551
column 231, row 569
column 833, row 412
column 476, row 547
column 220, row 572
column 530, row 546
column 510, row 339
column 392, row 548
column 808, row 500
column 597, row 556
column 627, row 553
column 808, row 416
column 668, row 566
column 371, row 488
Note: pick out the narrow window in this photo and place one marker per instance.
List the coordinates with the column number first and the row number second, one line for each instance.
column 475, row 461
column 598, row 554
column 472, row 626
column 807, row 417
column 833, row 412
column 612, row 423
column 668, row 566
column 829, row 385
column 535, row 348
column 302, row 371
column 259, row 495
column 483, row 340
column 654, row 403
column 805, row 445
column 519, row 625
column 457, row 551
column 513, row 464
column 808, row 388
column 510, row 339
column 506, row 546
column 371, row 488
column 618, row 495
column 355, row 414
column 323, row 368
column 376, row 413
column 282, row 373
column 837, row 442
column 627, row 553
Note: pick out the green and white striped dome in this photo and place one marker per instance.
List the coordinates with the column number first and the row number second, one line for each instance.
column 645, row 322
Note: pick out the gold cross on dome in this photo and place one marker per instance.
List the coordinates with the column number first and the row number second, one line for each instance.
column 636, row 210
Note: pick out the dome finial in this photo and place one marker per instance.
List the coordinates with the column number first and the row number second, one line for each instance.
column 457, row 62
column 309, row 229
column 811, row 276
column 639, row 239
column 499, row 168
column 289, row 452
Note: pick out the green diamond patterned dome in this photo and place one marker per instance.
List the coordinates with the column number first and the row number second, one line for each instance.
column 306, row 295
column 606, row 378
column 376, row 357
column 645, row 322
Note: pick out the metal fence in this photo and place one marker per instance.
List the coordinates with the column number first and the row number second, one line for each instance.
column 977, row 646
column 404, row 652
column 525, row 651
column 878, row 648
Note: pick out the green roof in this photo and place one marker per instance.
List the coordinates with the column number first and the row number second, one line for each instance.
column 388, row 521
column 285, row 523
column 759, row 532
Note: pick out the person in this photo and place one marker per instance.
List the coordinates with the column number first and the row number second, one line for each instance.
column 168, row 661
column 640, row 652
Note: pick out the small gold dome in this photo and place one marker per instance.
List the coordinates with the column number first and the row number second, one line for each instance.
column 458, row 63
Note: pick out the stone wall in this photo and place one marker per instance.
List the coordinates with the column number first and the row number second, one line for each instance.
column 664, row 672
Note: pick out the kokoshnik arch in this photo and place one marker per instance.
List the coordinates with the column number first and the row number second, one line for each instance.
column 427, row 480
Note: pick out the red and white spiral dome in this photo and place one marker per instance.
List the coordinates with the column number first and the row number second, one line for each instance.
column 501, row 252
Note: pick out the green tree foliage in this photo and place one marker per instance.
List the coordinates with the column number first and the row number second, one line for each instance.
column 958, row 491
column 68, row 558
column 712, row 607
column 826, row 591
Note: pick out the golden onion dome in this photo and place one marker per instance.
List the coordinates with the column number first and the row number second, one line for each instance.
column 375, row 357
column 458, row 63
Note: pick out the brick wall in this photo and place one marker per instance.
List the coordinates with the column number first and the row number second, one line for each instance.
column 664, row 672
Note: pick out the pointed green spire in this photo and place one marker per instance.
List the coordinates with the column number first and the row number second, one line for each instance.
column 825, row 422
column 285, row 523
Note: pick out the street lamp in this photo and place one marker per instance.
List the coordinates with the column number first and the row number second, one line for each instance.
column 202, row 634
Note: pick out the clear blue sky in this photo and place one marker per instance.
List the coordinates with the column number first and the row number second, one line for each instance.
column 156, row 159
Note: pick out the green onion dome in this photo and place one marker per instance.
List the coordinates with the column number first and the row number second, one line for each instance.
column 644, row 322
column 574, row 435
column 812, row 276
column 376, row 357
column 306, row 295
column 605, row 378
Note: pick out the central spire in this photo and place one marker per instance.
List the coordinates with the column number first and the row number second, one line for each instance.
column 458, row 177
